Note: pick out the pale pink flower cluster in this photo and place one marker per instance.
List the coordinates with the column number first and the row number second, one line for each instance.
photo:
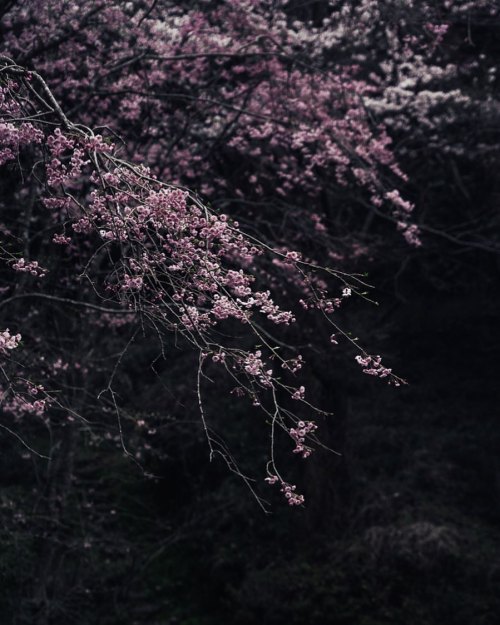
column 293, row 256
column 438, row 30
column 411, row 233
column 319, row 298
column 402, row 210
column 60, row 145
column 372, row 365
column 96, row 143
column 395, row 197
column 34, row 389
column 8, row 341
column 60, row 239
column 299, row 393
column 299, row 436
column 293, row 498
column 56, row 173
column 174, row 234
column 265, row 304
column 254, row 365
column 329, row 305
column 18, row 406
column 193, row 319
column 131, row 283
column 219, row 357
column 225, row 307
column 294, row 364
column 238, row 282
column 13, row 137
column 30, row 266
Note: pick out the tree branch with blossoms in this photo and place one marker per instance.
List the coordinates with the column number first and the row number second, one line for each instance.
column 155, row 256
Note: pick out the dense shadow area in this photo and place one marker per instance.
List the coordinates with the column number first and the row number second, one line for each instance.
column 406, row 527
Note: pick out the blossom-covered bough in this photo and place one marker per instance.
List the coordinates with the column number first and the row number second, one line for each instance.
column 176, row 179
column 106, row 240
column 282, row 119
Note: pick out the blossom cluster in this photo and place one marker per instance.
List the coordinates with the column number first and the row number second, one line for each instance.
column 8, row 341
column 299, row 433
column 14, row 135
column 18, row 406
column 372, row 365
column 31, row 266
column 288, row 490
column 155, row 254
column 294, row 127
